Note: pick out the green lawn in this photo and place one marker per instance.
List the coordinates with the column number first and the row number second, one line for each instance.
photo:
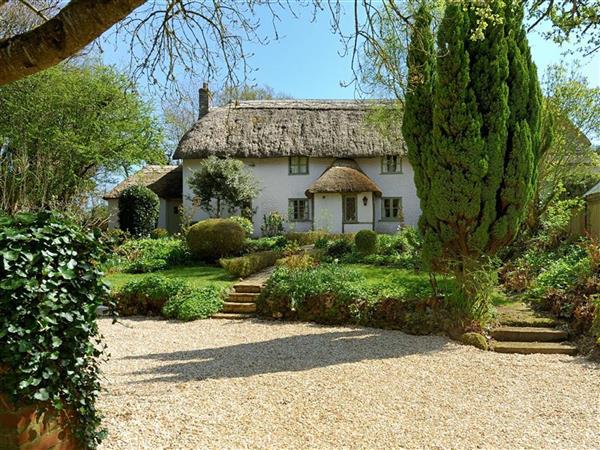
column 197, row 276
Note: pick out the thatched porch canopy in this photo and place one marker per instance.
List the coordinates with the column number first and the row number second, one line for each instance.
column 275, row 128
column 343, row 176
column 164, row 181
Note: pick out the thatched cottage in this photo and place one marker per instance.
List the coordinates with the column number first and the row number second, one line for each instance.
column 319, row 162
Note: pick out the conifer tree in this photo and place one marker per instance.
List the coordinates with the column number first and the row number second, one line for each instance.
column 476, row 171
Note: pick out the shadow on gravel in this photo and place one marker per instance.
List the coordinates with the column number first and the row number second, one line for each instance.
column 288, row 354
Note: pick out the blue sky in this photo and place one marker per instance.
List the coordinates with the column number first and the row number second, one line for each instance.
column 306, row 63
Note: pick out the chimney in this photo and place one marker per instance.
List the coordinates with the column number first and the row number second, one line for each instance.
column 204, row 94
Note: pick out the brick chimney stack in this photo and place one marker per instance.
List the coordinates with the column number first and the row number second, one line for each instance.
column 204, row 95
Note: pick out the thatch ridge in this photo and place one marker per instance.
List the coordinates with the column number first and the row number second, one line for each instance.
column 344, row 175
column 276, row 128
column 165, row 181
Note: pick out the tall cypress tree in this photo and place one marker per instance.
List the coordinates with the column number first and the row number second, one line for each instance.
column 476, row 176
column 417, row 123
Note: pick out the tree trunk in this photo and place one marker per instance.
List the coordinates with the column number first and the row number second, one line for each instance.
column 74, row 27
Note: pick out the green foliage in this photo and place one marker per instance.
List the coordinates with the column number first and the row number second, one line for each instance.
column 50, row 287
column 159, row 233
column 194, row 304
column 212, row 239
column 65, row 128
column 328, row 279
column 338, row 248
column 147, row 295
column 333, row 293
column 272, row 224
column 474, row 339
column 366, row 242
column 555, row 224
column 150, row 255
column 243, row 266
column 223, row 183
column 472, row 127
column 300, row 261
column 265, row 243
column 246, row 224
column 138, row 210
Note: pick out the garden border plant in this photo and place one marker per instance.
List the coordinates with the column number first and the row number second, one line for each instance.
column 50, row 287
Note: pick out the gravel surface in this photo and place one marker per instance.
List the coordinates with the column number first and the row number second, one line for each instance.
column 255, row 384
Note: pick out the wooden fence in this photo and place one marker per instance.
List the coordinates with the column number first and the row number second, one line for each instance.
column 588, row 220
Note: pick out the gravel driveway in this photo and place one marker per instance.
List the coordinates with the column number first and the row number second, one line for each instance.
column 255, row 384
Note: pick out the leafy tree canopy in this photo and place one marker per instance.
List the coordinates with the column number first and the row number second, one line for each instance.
column 223, row 183
column 63, row 128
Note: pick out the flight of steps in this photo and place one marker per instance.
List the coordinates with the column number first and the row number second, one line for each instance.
column 526, row 340
column 241, row 303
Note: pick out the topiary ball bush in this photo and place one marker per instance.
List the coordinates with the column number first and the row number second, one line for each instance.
column 212, row 239
column 366, row 242
column 475, row 339
column 138, row 210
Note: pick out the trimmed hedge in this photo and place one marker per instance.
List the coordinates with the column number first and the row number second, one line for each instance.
column 366, row 242
column 246, row 265
column 138, row 210
column 50, row 287
column 212, row 239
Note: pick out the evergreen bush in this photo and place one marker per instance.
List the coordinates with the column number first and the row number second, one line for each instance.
column 366, row 242
column 212, row 239
column 138, row 210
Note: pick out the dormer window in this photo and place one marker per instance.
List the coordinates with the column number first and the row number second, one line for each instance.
column 298, row 165
column 391, row 164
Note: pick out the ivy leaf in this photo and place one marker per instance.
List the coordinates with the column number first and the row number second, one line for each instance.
column 41, row 395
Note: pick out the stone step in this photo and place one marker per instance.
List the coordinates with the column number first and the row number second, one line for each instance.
column 232, row 316
column 243, row 288
column 243, row 297
column 235, row 307
column 534, row 347
column 529, row 334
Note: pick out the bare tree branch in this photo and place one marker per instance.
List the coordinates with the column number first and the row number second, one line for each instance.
column 74, row 27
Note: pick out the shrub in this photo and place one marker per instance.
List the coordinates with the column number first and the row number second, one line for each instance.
column 298, row 262
column 194, row 304
column 331, row 293
column 138, row 210
column 272, row 224
column 366, row 242
column 475, row 339
column 338, row 248
column 307, row 237
column 243, row 266
column 159, row 233
column 148, row 295
column 150, row 255
column 246, row 224
column 212, row 239
column 115, row 237
column 265, row 243
column 50, row 287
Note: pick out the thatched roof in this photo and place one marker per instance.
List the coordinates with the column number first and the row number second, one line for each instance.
column 344, row 175
column 593, row 191
column 270, row 128
column 165, row 181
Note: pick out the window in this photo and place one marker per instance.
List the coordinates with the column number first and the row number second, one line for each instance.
column 350, row 209
column 391, row 208
column 391, row 164
column 298, row 210
column 298, row 165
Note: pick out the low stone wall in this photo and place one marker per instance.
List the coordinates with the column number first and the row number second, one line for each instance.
column 28, row 428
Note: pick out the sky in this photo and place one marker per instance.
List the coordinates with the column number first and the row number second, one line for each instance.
column 306, row 61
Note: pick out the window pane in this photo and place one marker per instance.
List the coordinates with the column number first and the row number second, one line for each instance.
column 350, row 209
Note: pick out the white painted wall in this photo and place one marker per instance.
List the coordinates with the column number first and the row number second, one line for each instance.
column 277, row 186
column 328, row 212
column 113, row 213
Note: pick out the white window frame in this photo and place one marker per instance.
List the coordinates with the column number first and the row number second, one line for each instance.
column 391, row 200
column 292, row 210
column 388, row 167
column 298, row 165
